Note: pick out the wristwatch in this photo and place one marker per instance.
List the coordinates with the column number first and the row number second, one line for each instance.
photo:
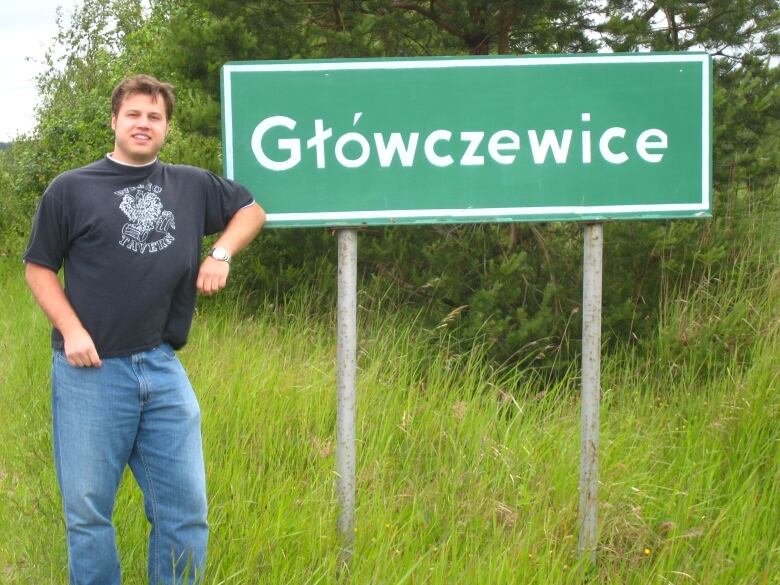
column 220, row 253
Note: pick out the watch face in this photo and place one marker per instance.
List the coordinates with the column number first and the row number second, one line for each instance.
column 220, row 254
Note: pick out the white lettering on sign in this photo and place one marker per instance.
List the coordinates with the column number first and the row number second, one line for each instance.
column 549, row 141
column 394, row 146
column 496, row 145
column 360, row 140
column 318, row 142
column 430, row 153
column 586, row 156
column 353, row 150
column 617, row 158
column 473, row 139
column 291, row 144
column 643, row 143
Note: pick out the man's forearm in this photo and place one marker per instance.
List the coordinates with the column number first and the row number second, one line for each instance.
column 50, row 296
column 242, row 228
column 46, row 288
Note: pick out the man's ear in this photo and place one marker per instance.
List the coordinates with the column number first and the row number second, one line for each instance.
column 113, row 122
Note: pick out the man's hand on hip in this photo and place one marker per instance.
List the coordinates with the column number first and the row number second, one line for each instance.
column 212, row 276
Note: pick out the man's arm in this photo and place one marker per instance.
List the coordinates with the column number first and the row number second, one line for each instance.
column 240, row 230
column 46, row 288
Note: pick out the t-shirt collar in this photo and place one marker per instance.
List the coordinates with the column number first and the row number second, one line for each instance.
column 124, row 164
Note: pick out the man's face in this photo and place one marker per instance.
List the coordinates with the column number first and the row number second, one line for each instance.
column 140, row 128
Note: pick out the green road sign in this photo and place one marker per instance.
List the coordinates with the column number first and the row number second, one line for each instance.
column 536, row 138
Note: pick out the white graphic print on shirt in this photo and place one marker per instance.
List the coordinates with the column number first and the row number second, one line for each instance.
column 149, row 225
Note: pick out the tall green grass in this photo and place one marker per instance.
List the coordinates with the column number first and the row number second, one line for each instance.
column 466, row 474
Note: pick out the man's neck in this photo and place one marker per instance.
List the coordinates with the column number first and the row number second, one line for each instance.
column 127, row 164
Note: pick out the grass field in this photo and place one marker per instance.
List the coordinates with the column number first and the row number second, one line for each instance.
column 465, row 474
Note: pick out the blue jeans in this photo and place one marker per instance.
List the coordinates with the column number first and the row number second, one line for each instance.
column 140, row 411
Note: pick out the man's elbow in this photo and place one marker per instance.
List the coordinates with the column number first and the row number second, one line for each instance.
column 260, row 214
column 257, row 215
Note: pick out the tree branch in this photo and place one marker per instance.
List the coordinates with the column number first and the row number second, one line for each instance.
column 430, row 15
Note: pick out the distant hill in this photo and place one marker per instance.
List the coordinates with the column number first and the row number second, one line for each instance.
column 5, row 145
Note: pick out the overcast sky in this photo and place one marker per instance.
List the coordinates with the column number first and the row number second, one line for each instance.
column 27, row 28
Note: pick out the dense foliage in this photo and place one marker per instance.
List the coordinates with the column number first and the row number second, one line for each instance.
column 517, row 287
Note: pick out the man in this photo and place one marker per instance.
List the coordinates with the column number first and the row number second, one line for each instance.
column 129, row 230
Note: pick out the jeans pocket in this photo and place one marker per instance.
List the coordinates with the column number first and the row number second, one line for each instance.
column 166, row 351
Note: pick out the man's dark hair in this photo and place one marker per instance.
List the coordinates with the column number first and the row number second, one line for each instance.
column 145, row 84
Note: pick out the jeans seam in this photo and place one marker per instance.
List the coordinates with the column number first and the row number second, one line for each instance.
column 57, row 448
column 145, row 393
column 155, row 518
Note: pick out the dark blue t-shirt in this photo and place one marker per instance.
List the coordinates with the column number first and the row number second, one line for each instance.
column 130, row 239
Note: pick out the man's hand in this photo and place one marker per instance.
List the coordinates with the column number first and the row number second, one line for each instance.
column 242, row 227
column 80, row 349
column 212, row 276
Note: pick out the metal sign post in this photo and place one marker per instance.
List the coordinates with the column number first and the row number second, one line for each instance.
column 346, row 367
column 591, row 388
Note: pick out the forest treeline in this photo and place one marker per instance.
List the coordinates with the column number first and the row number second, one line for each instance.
column 514, row 287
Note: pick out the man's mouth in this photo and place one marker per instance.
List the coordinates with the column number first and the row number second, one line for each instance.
column 142, row 137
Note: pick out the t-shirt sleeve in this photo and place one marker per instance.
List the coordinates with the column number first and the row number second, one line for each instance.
column 223, row 199
column 49, row 237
